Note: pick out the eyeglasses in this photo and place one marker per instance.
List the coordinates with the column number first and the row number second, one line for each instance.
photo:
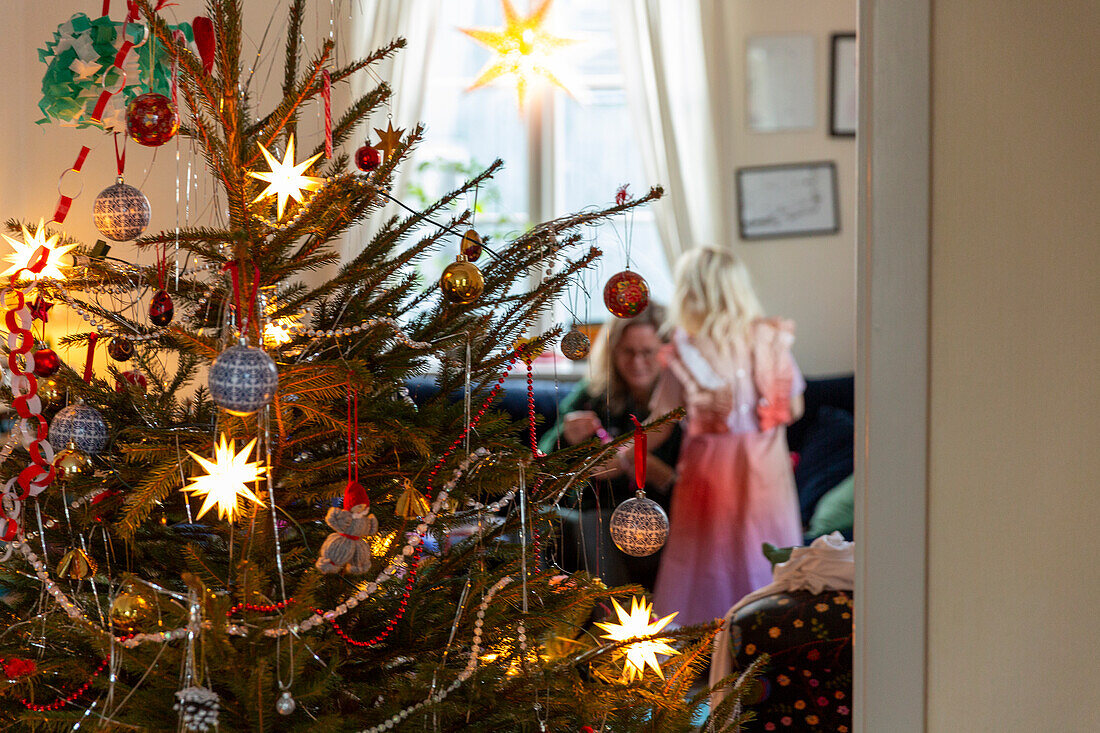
column 632, row 354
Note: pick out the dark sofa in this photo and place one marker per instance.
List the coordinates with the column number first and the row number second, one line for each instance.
column 823, row 438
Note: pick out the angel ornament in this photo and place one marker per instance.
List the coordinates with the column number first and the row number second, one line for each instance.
column 347, row 550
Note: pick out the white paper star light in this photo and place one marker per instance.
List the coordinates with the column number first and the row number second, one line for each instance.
column 636, row 625
column 226, row 479
column 286, row 180
column 32, row 250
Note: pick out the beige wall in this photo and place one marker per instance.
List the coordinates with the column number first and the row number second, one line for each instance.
column 810, row 279
column 1014, row 489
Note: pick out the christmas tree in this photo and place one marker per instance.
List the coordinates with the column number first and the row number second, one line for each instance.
column 253, row 527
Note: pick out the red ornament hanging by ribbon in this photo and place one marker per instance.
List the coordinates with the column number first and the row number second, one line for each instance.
column 626, row 294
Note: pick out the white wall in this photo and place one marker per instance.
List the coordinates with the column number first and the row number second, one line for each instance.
column 1014, row 487
column 809, row 279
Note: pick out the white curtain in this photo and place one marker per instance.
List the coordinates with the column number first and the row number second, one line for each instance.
column 670, row 81
column 374, row 24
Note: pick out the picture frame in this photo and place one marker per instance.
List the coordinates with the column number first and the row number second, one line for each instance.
column 780, row 91
column 843, row 85
column 789, row 200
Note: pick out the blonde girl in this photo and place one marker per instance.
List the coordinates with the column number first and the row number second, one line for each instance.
column 732, row 369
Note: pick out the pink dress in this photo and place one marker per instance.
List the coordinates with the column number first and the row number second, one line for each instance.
column 736, row 486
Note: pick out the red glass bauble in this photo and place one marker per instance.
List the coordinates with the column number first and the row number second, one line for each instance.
column 626, row 294
column 120, row 348
column 46, row 363
column 367, row 158
column 151, row 120
column 134, row 377
column 472, row 245
column 161, row 309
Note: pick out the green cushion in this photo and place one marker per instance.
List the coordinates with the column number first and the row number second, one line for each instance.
column 836, row 509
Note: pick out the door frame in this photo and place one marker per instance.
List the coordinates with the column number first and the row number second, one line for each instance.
column 892, row 365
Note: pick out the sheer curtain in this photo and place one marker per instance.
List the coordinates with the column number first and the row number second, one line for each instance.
column 670, row 81
column 374, row 24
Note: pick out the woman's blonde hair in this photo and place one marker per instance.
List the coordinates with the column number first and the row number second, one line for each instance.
column 714, row 297
column 604, row 379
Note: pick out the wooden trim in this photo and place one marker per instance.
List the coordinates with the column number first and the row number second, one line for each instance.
column 892, row 273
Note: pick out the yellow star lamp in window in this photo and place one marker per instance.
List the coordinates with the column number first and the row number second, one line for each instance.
column 226, row 480
column 524, row 51
column 636, row 625
column 38, row 252
column 285, row 179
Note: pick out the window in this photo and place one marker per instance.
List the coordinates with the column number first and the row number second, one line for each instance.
column 560, row 156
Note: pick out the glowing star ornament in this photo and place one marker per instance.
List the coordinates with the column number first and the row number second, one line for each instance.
column 523, row 49
column 36, row 252
column 226, row 479
column 286, row 180
column 637, row 625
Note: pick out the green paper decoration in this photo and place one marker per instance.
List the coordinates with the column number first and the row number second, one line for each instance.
column 77, row 56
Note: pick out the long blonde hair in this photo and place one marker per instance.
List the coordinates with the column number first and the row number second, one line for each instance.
column 714, row 297
column 604, row 379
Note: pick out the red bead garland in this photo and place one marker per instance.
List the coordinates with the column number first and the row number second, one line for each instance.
column 61, row 701
column 259, row 608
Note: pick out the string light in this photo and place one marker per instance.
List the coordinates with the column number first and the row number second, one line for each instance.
column 224, row 484
column 286, row 180
column 637, row 625
column 34, row 250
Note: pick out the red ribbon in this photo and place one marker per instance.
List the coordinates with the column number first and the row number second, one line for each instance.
column 92, row 338
column 233, row 268
column 326, row 95
column 640, row 453
column 349, row 536
column 120, row 158
column 65, row 202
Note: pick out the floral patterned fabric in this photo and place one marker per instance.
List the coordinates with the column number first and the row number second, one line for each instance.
column 807, row 686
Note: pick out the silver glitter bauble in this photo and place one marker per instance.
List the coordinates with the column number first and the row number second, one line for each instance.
column 285, row 705
column 80, row 425
column 575, row 345
column 243, row 379
column 639, row 526
column 121, row 212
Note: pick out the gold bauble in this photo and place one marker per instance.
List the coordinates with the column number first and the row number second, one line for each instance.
column 129, row 608
column 461, row 282
column 76, row 565
column 48, row 391
column 72, row 461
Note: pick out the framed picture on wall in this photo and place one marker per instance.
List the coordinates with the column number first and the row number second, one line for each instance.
column 793, row 200
column 844, row 85
column 779, row 83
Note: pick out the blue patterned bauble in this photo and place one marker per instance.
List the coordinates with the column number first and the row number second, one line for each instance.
column 121, row 212
column 243, row 379
column 639, row 526
column 80, row 424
